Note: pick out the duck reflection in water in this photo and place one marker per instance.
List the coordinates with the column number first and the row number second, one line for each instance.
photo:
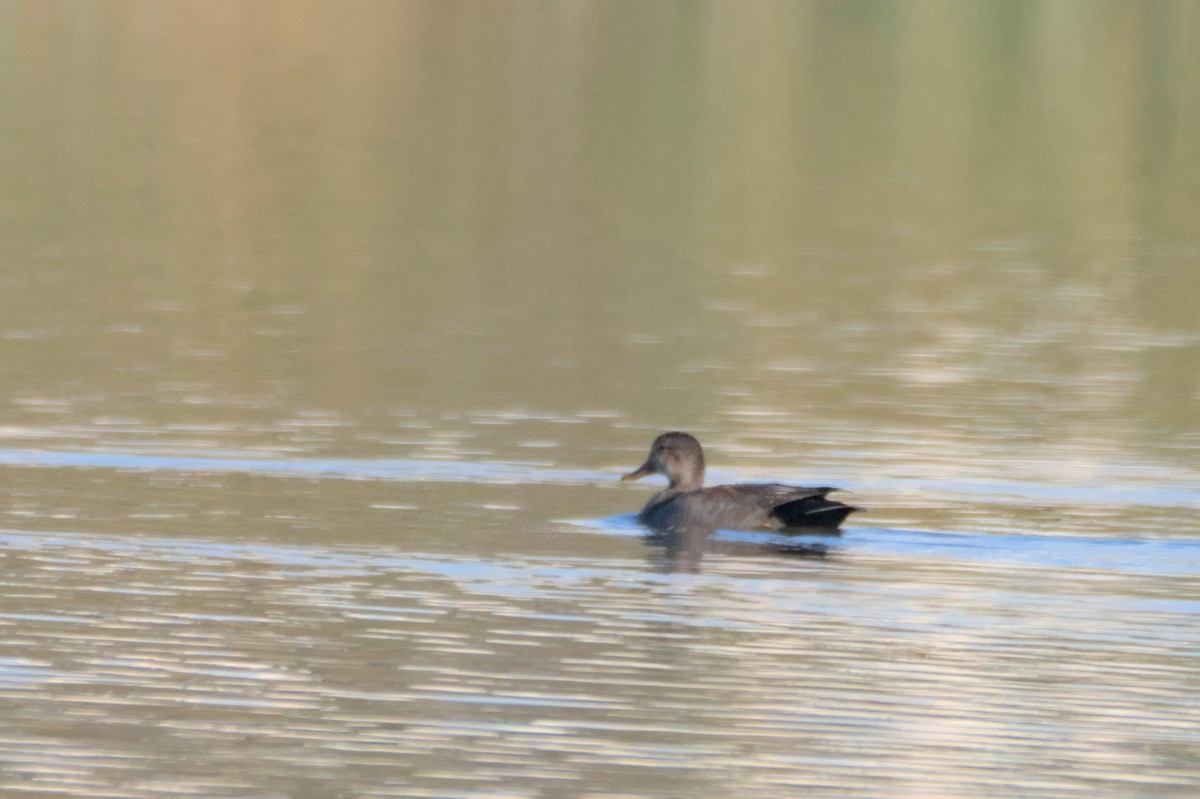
column 684, row 515
column 684, row 550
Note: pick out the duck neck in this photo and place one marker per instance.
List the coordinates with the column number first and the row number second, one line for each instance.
column 690, row 478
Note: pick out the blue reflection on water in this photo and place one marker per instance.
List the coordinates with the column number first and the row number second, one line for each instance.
column 1156, row 490
column 1153, row 556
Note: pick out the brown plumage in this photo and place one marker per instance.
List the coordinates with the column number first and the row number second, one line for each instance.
column 685, row 504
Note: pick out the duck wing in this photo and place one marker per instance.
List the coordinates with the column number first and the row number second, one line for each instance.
column 792, row 507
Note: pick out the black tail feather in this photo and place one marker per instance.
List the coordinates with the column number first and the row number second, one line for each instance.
column 813, row 513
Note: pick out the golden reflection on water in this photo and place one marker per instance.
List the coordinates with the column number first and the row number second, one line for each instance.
column 467, row 206
column 324, row 325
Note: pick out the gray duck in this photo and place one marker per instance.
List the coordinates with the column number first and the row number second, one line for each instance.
column 685, row 504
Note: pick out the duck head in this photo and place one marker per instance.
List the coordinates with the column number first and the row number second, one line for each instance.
column 679, row 457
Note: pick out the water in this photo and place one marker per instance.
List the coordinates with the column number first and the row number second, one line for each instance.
column 327, row 330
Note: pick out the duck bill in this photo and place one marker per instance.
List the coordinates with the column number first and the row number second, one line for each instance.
column 639, row 472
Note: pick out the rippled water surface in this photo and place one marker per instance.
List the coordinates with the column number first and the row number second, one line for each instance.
column 326, row 331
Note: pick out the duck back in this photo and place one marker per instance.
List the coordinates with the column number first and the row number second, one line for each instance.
column 769, row 506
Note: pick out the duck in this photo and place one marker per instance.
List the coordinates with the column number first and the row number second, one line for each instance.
column 685, row 504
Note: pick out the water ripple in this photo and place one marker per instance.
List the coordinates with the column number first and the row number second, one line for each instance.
column 1150, row 488
column 347, row 663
